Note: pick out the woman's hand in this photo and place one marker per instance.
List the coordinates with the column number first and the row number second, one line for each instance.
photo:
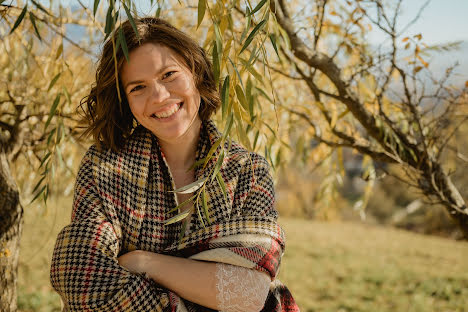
column 136, row 261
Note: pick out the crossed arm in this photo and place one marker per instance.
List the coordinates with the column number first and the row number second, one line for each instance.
column 212, row 285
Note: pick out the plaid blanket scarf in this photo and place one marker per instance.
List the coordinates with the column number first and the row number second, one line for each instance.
column 121, row 202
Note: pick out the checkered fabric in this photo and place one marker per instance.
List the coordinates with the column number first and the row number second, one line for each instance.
column 121, row 203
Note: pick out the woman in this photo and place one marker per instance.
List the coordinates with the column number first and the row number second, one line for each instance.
column 118, row 253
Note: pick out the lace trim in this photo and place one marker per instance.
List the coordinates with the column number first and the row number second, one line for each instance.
column 240, row 289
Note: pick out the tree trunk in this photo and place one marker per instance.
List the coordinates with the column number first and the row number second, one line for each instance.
column 11, row 223
column 448, row 195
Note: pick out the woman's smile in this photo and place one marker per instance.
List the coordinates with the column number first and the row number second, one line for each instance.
column 168, row 112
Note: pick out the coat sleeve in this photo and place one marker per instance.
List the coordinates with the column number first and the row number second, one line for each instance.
column 256, row 192
column 84, row 269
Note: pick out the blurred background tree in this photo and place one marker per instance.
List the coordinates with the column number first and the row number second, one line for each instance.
column 300, row 82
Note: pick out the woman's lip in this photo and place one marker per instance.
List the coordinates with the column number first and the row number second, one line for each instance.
column 165, row 108
column 171, row 116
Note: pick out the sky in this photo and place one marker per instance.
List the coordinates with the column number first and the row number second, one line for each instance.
column 441, row 21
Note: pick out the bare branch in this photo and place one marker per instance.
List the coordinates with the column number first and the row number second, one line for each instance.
column 416, row 18
column 449, row 137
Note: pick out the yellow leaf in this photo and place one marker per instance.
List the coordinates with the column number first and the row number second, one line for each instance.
column 417, row 69
column 418, row 36
column 466, row 83
column 426, row 64
column 334, row 118
column 405, row 39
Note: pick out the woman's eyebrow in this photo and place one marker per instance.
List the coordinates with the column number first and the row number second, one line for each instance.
column 158, row 73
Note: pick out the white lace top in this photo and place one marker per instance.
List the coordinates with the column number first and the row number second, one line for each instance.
column 240, row 289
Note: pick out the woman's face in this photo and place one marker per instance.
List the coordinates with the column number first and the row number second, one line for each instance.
column 161, row 92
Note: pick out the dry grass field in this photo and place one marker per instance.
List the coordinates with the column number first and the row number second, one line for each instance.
column 327, row 266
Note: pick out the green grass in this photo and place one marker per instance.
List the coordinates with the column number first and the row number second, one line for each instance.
column 353, row 267
column 327, row 266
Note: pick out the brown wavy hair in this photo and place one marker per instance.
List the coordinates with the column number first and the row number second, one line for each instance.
column 109, row 120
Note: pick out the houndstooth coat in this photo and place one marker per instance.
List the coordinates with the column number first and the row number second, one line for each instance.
column 120, row 204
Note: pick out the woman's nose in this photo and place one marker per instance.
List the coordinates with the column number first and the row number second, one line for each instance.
column 159, row 92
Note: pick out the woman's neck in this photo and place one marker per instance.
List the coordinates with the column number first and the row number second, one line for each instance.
column 180, row 154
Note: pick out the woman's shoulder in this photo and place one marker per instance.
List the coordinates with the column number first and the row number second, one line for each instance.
column 239, row 156
column 139, row 143
column 236, row 156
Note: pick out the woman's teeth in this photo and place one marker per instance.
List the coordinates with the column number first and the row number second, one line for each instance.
column 169, row 112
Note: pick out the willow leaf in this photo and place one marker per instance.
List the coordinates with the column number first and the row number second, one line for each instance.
column 44, row 159
column 273, row 43
column 182, row 230
column 216, row 66
column 264, row 94
column 228, row 125
column 252, row 70
column 241, row 97
column 220, row 180
column 199, row 214
column 218, row 37
column 109, row 22
column 196, row 164
column 205, row 206
column 58, row 152
column 19, row 19
column 225, row 96
column 38, row 184
column 252, row 35
column 178, row 217
column 190, row 188
column 33, row 22
column 201, row 11
column 38, row 194
column 218, row 165
column 257, row 134
column 67, row 94
column 250, row 99
column 247, row 24
column 95, row 7
column 52, row 111
column 51, row 135
column 258, row 7
column 54, row 80
column 123, row 44
column 40, row 7
column 130, row 19
column 237, row 72
column 211, row 151
column 181, row 205
column 59, row 51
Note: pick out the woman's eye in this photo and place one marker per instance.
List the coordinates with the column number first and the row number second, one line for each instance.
column 136, row 88
column 168, row 74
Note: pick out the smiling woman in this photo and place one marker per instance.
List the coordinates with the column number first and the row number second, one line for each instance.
column 120, row 253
